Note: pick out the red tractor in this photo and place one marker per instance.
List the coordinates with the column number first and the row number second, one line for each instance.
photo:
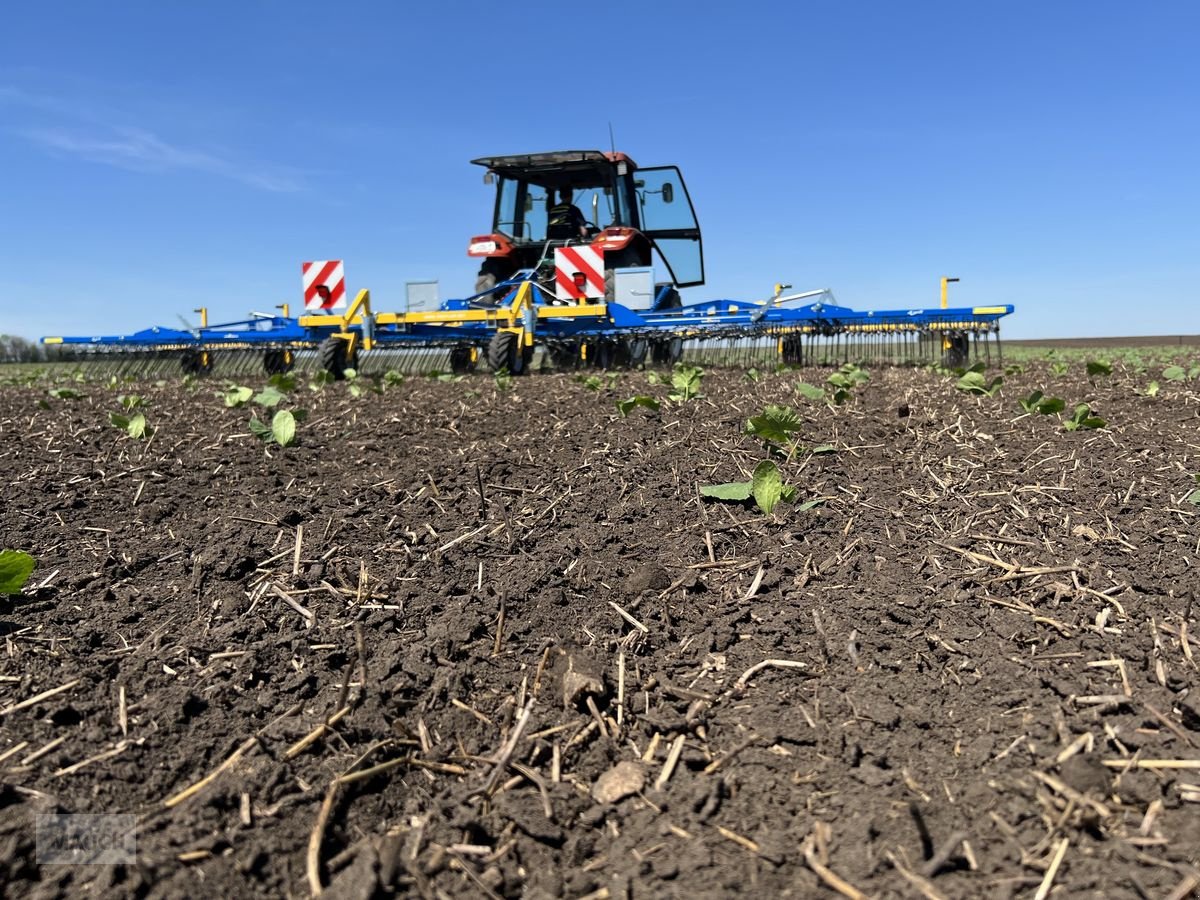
column 633, row 212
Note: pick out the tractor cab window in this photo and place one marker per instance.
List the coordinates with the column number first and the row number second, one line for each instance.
column 507, row 220
column 537, row 205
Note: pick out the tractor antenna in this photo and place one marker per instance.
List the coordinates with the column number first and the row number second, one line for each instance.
column 612, row 141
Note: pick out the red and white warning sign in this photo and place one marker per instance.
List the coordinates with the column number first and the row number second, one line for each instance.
column 579, row 273
column 324, row 285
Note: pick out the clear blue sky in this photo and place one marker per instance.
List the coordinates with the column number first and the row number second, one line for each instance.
column 158, row 156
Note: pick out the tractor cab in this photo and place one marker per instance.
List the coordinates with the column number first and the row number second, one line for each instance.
column 629, row 213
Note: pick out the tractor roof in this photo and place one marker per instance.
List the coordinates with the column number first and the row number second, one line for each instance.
column 553, row 169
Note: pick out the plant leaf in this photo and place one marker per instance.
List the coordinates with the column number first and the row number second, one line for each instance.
column 767, row 486
column 283, row 428
column 1051, row 405
column 811, row 504
column 15, row 569
column 119, row 420
column 236, row 395
column 733, row 490
column 1171, row 373
column 1098, row 367
column 270, row 397
column 809, row 391
column 258, row 429
column 137, row 428
column 627, row 406
column 775, row 424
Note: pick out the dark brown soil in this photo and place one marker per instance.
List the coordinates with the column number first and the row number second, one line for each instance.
column 990, row 619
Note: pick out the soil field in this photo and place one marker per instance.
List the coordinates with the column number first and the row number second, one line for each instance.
column 485, row 639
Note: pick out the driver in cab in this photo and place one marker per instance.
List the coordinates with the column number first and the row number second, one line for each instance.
column 566, row 222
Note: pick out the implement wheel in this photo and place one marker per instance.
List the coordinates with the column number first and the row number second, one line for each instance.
column 278, row 362
column 333, row 357
column 505, row 353
column 462, row 360
column 196, row 362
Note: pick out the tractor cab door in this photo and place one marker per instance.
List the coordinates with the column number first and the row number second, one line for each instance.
column 668, row 219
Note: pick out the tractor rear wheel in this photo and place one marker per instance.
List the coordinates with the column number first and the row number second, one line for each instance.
column 491, row 273
column 333, row 358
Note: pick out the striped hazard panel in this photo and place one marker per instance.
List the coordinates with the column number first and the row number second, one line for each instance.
column 324, row 284
column 578, row 273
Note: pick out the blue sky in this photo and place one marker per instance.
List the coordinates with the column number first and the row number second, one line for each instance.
column 159, row 156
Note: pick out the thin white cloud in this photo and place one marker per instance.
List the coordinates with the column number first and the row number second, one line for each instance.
column 135, row 149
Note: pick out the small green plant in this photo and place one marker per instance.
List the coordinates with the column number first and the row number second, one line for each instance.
column 592, row 382
column 845, row 380
column 135, row 426
column 774, row 426
column 809, row 391
column 1014, row 369
column 503, row 380
column 1059, row 368
column 1098, row 367
column 281, row 431
column 392, row 378
column 1152, row 389
column 320, row 381
column 1193, row 496
column 66, row 394
column 625, row 407
column 15, row 568
column 1037, row 402
column 1083, row 418
column 765, row 486
column 131, row 401
column 270, row 397
column 753, row 375
column 1171, row 373
column 686, row 383
column 283, row 381
column 653, row 378
column 236, row 395
column 973, row 382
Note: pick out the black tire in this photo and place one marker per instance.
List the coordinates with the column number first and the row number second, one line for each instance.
column 278, row 362
column 505, row 353
column 460, row 360
column 196, row 362
column 332, row 356
column 639, row 349
column 958, row 354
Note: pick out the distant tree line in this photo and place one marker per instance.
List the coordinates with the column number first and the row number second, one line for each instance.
column 14, row 349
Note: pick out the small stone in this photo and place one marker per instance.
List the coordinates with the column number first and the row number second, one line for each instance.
column 620, row 781
column 650, row 577
column 580, row 676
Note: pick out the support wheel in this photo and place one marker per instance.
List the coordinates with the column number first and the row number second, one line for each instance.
column 505, row 353
column 333, row 357
column 196, row 362
column 278, row 362
column 462, row 360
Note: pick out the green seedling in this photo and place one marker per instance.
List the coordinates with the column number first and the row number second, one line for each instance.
column 15, row 568
column 281, row 431
column 774, row 426
column 134, row 426
column 283, row 381
column 66, row 394
column 1041, row 404
column 976, row 383
column 1193, row 496
column 1171, row 373
column 1014, row 369
column 392, row 378
column 686, row 383
column 653, row 378
column 765, row 486
column 845, row 380
column 1059, row 368
column 320, row 381
column 1098, row 367
column 625, row 407
column 753, row 375
column 270, row 397
column 503, row 380
column 592, row 382
column 131, row 401
column 1083, row 418
column 809, row 391
column 1152, row 389
column 237, row 395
